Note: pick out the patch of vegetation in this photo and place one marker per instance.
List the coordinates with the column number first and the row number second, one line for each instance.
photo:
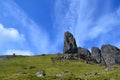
column 26, row 67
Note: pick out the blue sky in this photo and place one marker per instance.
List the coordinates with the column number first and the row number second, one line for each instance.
column 32, row 27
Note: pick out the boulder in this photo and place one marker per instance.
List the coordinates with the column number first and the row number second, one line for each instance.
column 40, row 73
column 110, row 54
column 96, row 54
column 84, row 53
column 70, row 45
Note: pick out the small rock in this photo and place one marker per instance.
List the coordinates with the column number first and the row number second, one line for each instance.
column 106, row 69
column 95, row 73
column 88, row 74
column 43, row 54
column 79, row 79
column 66, row 71
column 40, row 73
column 24, row 68
column 19, row 73
column 59, row 75
column 31, row 67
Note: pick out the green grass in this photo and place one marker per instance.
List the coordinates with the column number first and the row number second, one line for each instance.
column 74, row 69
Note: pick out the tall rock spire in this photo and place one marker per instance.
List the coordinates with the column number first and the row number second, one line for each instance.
column 70, row 45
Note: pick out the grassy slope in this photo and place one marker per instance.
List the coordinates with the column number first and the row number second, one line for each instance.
column 76, row 69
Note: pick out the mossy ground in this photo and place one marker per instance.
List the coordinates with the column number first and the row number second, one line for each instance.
column 74, row 69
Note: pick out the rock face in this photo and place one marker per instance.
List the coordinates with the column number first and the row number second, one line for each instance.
column 70, row 45
column 84, row 53
column 96, row 54
column 110, row 54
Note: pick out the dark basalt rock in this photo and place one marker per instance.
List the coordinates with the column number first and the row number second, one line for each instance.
column 84, row 53
column 110, row 54
column 96, row 54
column 70, row 45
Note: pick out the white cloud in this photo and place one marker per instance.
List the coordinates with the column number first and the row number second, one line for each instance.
column 105, row 24
column 10, row 34
column 19, row 52
column 37, row 37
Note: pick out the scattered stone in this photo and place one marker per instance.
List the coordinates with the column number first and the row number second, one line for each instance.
column 62, row 79
column 31, row 67
column 40, row 73
column 79, row 79
column 43, row 54
column 24, row 68
column 106, row 69
column 117, row 75
column 14, row 54
column 95, row 73
column 66, row 71
column 20, row 73
column 87, row 74
column 62, row 73
column 70, row 45
column 59, row 75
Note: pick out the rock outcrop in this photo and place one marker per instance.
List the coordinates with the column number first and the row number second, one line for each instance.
column 110, row 54
column 84, row 53
column 96, row 54
column 70, row 45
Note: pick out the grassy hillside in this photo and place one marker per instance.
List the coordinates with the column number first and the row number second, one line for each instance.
column 19, row 68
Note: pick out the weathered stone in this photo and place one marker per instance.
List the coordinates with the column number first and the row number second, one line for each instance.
column 95, row 73
column 70, row 45
column 40, row 73
column 31, row 67
column 110, row 54
column 96, row 54
column 84, row 53
column 20, row 73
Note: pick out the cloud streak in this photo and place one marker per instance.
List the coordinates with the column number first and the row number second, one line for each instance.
column 92, row 24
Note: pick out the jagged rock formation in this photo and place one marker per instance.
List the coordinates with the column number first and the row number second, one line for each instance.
column 70, row 45
column 111, row 54
column 84, row 53
column 108, row 55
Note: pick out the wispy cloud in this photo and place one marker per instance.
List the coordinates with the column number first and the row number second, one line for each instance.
column 89, row 21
